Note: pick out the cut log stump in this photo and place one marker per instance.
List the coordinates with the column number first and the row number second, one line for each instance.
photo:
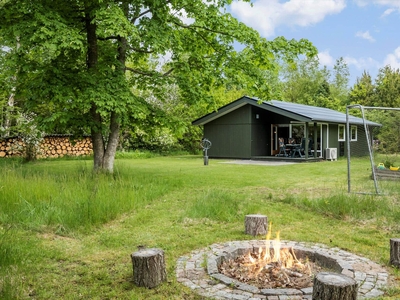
column 148, row 267
column 333, row 286
column 395, row 252
column 256, row 224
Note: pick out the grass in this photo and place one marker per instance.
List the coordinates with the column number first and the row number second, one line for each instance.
column 66, row 233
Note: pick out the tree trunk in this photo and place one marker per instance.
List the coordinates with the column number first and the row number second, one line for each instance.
column 334, row 286
column 256, row 224
column 103, row 151
column 395, row 252
column 148, row 267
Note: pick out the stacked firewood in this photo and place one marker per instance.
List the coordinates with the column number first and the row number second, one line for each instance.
column 11, row 147
column 56, row 146
column 50, row 146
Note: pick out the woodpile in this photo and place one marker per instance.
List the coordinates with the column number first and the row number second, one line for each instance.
column 51, row 146
column 56, row 146
column 11, row 147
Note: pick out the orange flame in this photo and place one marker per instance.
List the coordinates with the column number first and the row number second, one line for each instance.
column 284, row 257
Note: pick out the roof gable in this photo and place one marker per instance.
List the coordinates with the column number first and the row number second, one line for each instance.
column 296, row 112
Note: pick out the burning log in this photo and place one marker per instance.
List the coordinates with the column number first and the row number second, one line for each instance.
column 256, row 225
column 148, row 267
column 395, row 252
column 333, row 286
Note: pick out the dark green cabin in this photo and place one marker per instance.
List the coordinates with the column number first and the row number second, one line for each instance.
column 250, row 128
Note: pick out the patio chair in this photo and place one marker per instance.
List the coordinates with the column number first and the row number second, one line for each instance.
column 282, row 148
column 301, row 148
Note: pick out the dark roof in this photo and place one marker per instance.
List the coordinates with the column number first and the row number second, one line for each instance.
column 294, row 111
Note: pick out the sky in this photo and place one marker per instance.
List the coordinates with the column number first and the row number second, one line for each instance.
column 366, row 33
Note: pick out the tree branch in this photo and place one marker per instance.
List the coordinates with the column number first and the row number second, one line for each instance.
column 108, row 38
column 140, row 15
column 147, row 73
column 202, row 27
column 168, row 72
column 141, row 50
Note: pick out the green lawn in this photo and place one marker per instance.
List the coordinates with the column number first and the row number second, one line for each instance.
column 66, row 233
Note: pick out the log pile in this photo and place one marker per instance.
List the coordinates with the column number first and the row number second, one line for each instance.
column 11, row 147
column 57, row 146
column 51, row 146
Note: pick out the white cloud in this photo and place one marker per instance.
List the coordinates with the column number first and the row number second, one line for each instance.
column 265, row 16
column 363, row 63
column 365, row 35
column 325, row 59
column 388, row 12
column 393, row 59
column 391, row 3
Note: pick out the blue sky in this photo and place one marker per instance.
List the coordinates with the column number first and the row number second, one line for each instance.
column 366, row 33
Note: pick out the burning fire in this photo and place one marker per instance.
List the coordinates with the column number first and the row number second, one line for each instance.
column 276, row 258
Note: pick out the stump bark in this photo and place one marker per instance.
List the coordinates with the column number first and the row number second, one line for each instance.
column 256, row 224
column 148, row 267
column 333, row 286
column 395, row 252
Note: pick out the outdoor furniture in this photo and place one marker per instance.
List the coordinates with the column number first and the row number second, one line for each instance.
column 282, row 148
column 301, row 148
column 291, row 147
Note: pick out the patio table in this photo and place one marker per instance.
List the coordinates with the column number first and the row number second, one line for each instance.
column 291, row 147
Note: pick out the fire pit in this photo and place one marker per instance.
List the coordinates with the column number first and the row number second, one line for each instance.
column 204, row 269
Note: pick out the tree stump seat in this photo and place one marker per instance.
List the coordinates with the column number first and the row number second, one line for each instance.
column 334, row 286
column 148, row 267
column 256, row 225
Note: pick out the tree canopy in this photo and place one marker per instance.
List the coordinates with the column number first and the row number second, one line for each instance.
column 80, row 64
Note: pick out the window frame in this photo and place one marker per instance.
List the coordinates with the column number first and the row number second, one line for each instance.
column 341, row 130
column 353, row 127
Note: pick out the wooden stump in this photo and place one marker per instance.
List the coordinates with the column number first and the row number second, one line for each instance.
column 333, row 286
column 148, row 267
column 395, row 252
column 256, row 224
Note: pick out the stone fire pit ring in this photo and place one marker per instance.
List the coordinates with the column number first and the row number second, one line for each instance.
column 199, row 271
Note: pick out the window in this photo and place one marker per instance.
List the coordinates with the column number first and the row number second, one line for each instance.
column 353, row 133
column 341, row 133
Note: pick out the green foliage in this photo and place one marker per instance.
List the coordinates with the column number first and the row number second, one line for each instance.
column 384, row 92
column 363, row 91
column 305, row 82
column 71, row 61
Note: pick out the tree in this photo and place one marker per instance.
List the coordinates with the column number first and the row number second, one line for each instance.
column 384, row 92
column 363, row 91
column 307, row 83
column 74, row 58
column 387, row 87
column 339, row 85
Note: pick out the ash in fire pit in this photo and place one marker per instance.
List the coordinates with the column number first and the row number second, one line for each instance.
column 201, row 270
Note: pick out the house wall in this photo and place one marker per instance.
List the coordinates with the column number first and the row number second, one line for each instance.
column 360, row 147
column 357, row 148
column 230, row 134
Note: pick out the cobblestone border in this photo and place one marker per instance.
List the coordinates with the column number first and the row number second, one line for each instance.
column 199, row 272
